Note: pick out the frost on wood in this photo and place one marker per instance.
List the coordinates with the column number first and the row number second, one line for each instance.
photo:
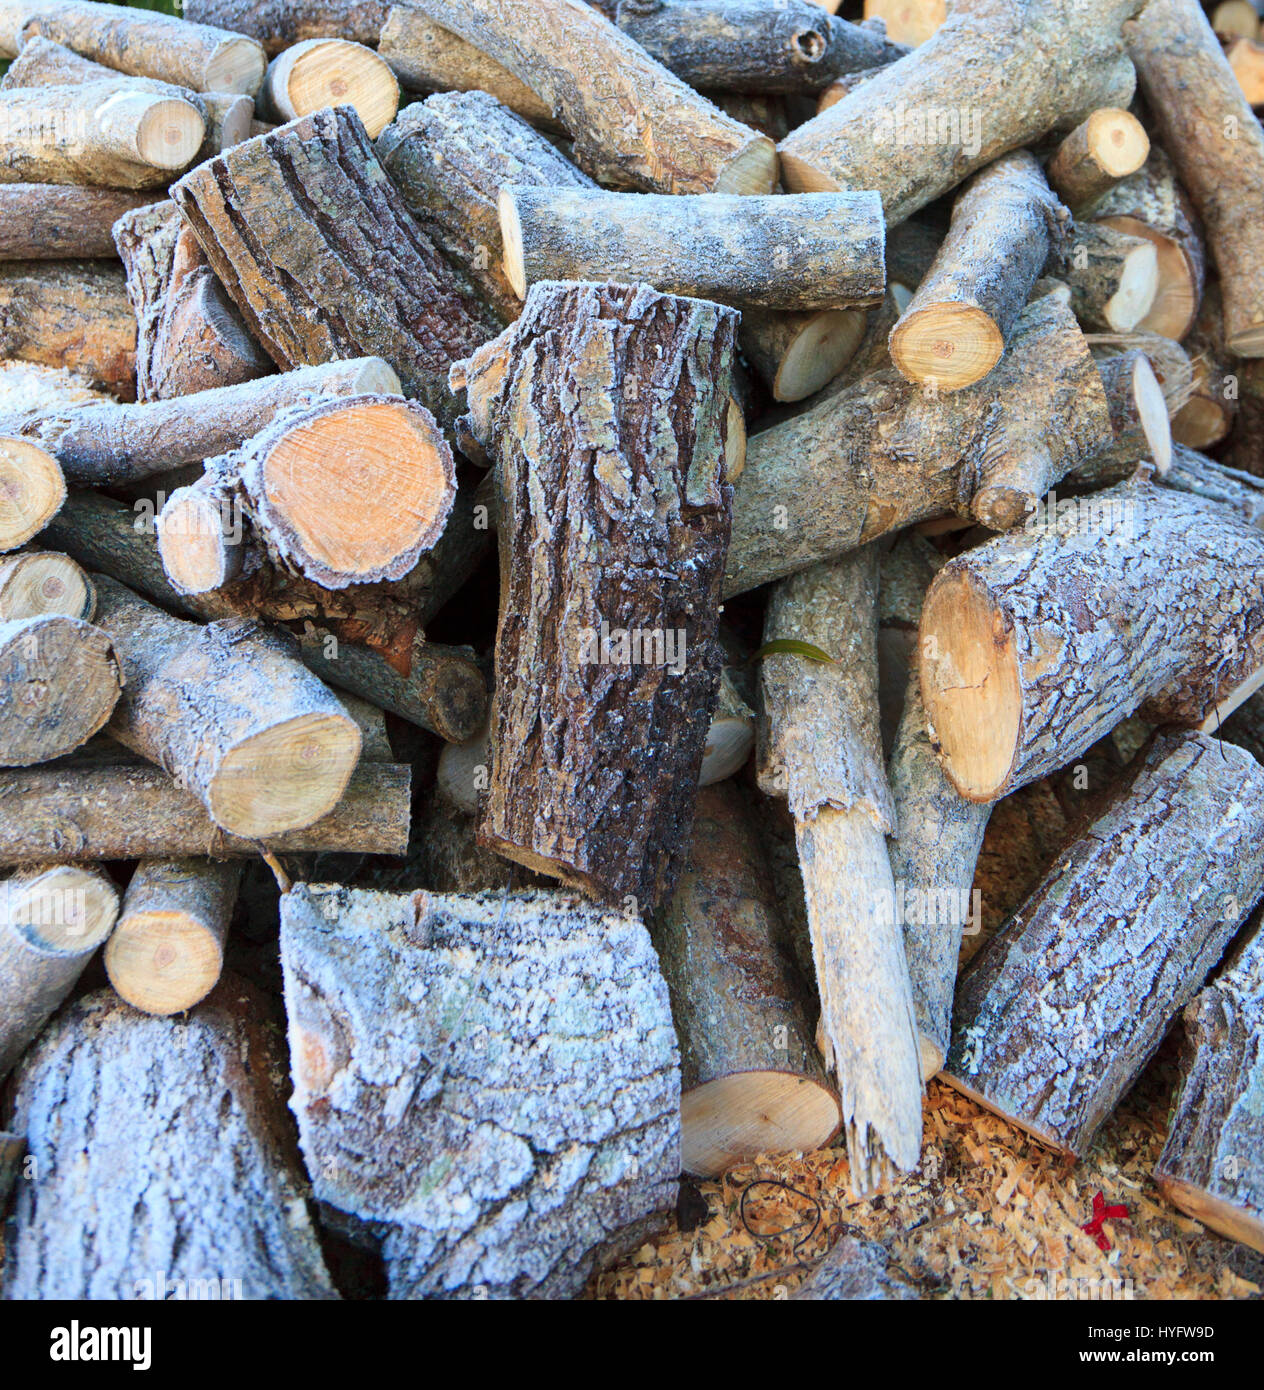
column 492, row 1084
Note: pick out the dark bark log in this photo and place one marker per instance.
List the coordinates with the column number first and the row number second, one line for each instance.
column 279, row 23
column 54, row 222
column 855, row 1270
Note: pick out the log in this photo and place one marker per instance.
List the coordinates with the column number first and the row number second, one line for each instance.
column 133, row 811
column 324, row 72
column 494, row 1166
column 751, row 1078
column 1113, row 275
column 450, row 155
column 60, row 679
column 47, row 222
column 167, row 951
column 1243, row 492
column 1246, row 61
column 55, row 916
column 797, row 354
column 855, row 1270
column 165, row 1159
column 347, row 491
column 108, row 136
column 1207, row 416
column 879, row 454
column 1058, row 1013
column 1099, row 152
column 428, row 58
column 766, row 114
column 1146, row 594
column 997, row 75
column 1210, row 1166
column 813, row 251
column 1005, row 225
column 292, row 223
column 1140, row 422
column 144, row 43
column 613, row 522
column 820, row 749
column 632, row 121
column 189, row 334
column 1152, row 204
column 908, row 21
column 72, row 314
column 1217, row 145
column 102, row 445
column 279, row 23
column 32, row 490
column 230, row 711
column 42, row 582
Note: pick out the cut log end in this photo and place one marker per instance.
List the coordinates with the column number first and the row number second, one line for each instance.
column 949, row 345
column 733, row 1118
column 168, row 133
column 973, row 702
column 1117, row 141
column 734, row 441
column 32, row 490
column 822, row 348
column 931, row 1056
column 1248, row 342
column 44, row 582
column 61, row 909
column 334, row 72
column 238, row 65
column 1151, row 405
column 754, row 170
column 163, row 962
column 511, row 237
column 1138, row 289
column 800, row 176
column 1177, row 289
column 198, row 551
column 729, row 744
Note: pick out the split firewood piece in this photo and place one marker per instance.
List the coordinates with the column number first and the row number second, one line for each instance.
column 60, row 680
column 54, row 918
column 880, row 454
column 856, row 1270
column 997, row 75
column 632, row 121
column 1152, row 204
column 41, row 582
column 330, row 72
column 1149, row 595
column 293, row 224
column 1140, row 419
column 908, row 21
column 1236, row 19
column 73, row 314
column 279, row 23
column 1246, row 61
column 1113, row 275
column 189, row 334
column 450, row 156
column 116, row 138
column 1058, row 1013
column 812, row 251
column 32, row 490
column 164, row 1157
column 1212, row 1165
column 230, row 711
column 134, row 811
column 167, row 951
column 799, row 353
column 821, row 750
column 937, row 833
column 749, row 46
column 1243, row 492
column 1099, row 152
column 48, row 221
column 347, row 491
column 1005, row 225
column 428, row 58
column 751, row 1077
column 103, row 445
column 141, row 42
column 1217, row 146
column 493, row 1166
column 1207, row 416
column 613, row 525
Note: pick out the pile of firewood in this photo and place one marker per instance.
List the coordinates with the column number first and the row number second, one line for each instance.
column 831, row 392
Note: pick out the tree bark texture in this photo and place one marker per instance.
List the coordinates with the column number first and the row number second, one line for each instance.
column 55, row 222
column 279, row 23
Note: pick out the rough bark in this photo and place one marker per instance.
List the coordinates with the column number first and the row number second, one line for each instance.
column 1037, row 644
column 766, row 114
column 1058, row 1014
column 40, row 582
column 632, row 121
column 53, row 222
column 279, row 23
column 164, row 1157
column 813, row 251
column 167, row 951
column 450, row 156
column 1207, row 416
column 316, row 73
column 322, row 256
column 1212, row 1165
column 820, row 748
column 1243, row 492
column 855, row 1271
column 1099, row 152
column 614, row 519
column 879, row 454
column 1217, row 145
column 72, row 314
column 132, row 811
column 1010, row 70
column 1005, row 225
column 798, row 353
column 189, row 336
column 751, row 1077
column 55, row 916
column 491, row 1166
column 1113, row 276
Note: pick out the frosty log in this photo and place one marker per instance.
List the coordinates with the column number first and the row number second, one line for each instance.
column 1099, row 152
column 46, row 222
column 491, row 1165
column 799, row 353
column 324, row 72
column 1113, row 276
column 279, row 23
column 32, row 489
column 42, row 581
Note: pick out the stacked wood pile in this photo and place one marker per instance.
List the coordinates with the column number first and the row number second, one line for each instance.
column 867, row 410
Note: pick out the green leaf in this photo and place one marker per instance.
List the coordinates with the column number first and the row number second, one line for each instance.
column 793, row 648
